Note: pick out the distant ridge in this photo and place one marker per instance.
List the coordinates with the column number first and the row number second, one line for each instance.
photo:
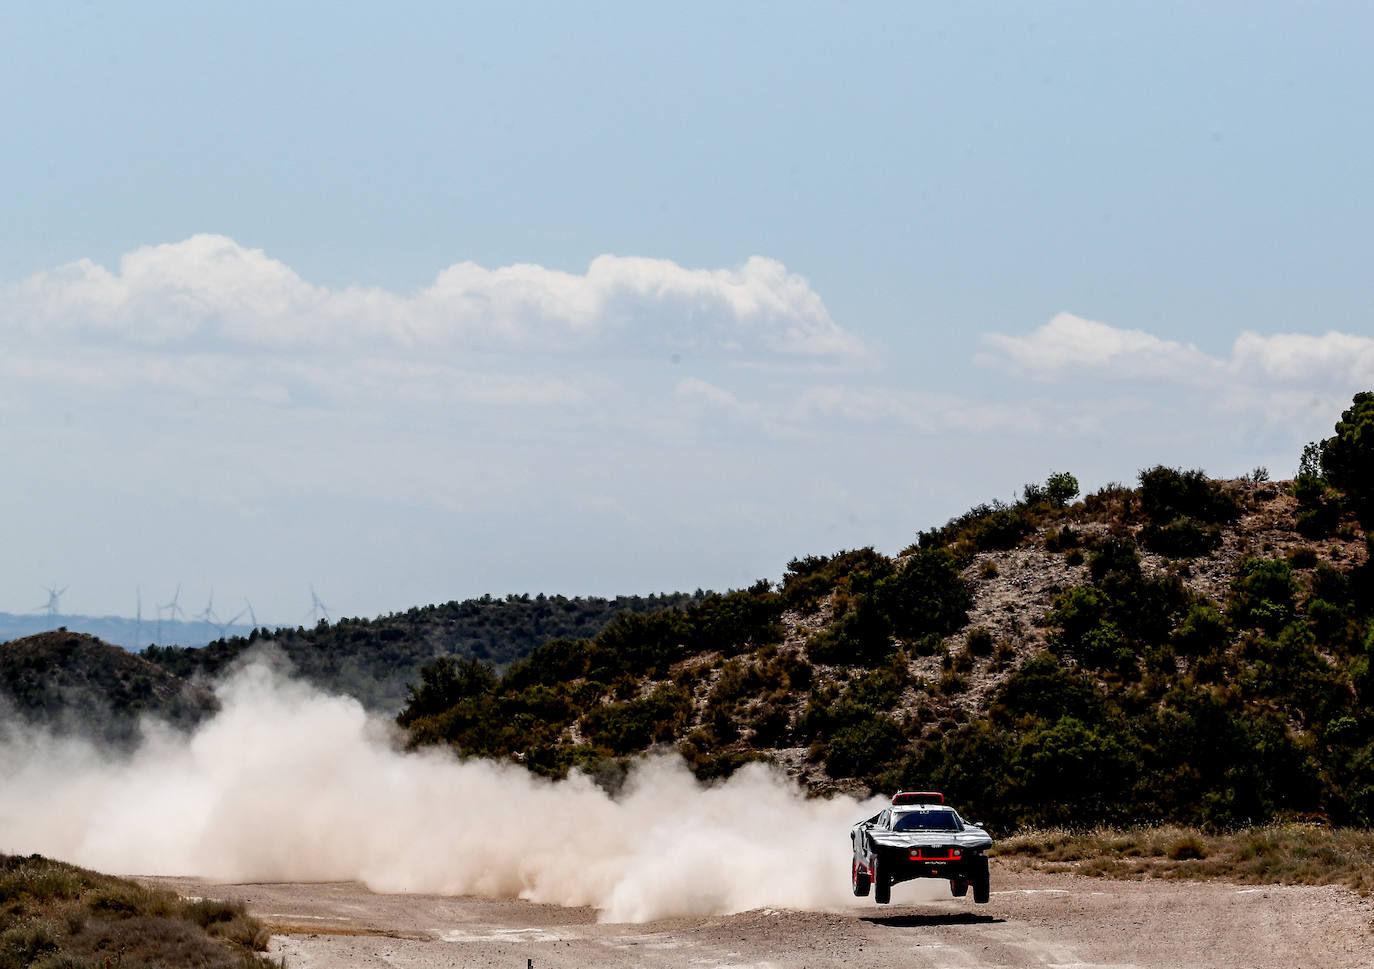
column 375, row 660
column 129, row 633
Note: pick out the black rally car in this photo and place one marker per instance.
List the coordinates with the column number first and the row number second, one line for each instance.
column 919, row 836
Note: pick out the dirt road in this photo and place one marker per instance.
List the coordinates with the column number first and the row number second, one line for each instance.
column 1033, row 920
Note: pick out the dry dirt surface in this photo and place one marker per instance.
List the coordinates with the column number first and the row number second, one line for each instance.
column 1033, row 920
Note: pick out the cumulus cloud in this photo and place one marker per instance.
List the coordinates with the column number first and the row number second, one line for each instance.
column 1299, row 357
column 1071, row 345
column 210, row 290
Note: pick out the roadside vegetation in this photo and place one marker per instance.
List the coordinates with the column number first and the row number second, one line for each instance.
column 57, row 916
column 1279, row 854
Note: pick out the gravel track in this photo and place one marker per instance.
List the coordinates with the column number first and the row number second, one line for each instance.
column 1039, row 920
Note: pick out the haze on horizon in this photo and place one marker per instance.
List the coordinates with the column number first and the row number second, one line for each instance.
column 420, row 304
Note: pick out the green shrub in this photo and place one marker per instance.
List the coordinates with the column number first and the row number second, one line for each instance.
column 1061, row 488
column 1066, row 771
column 1114, row 560
column 1181, row 538
column 1002, row 528
column 734, row 622
column 1077, row 611
column 979, row 642
column 1104, row 647
column 1202, row 631
column 1045, row 687
column 1263, row 594
column 736, row 680
column 861, row 637
column 633, row 725
column 810, row 579
column 1167, row 494
column 986, row 527
column 927, row 595
column 1347, row 457
column 1331, row 584
column 1319, row 508
column 1317, row 521
column 1064, row 538
column 863, row 748
column 637, row 644
column 879, row 689
column 443, row 683
column 769, row 726
column 1329, row 623
column 552, row 662
column 709, row 764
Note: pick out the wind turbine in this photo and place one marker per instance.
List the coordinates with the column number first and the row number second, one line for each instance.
column 172, row 610
column 208, row 616
column 54, row 594
column 247, row 610
column 317, row 608
column 138, row 619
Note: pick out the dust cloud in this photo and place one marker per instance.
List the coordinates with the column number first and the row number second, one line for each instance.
column 289, row 784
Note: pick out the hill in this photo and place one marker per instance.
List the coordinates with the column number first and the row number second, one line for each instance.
column 1186, row 649
column 375, row 660
column 74, row 683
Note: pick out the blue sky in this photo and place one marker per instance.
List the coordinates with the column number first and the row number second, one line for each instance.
column 796, row 277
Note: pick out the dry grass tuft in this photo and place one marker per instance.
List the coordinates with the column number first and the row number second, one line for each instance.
column 1279, row 854
column 58, row 916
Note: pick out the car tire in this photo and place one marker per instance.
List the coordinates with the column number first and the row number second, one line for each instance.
column 981, row 887
column 882, row 888
column 860, row 879
column 958, row 887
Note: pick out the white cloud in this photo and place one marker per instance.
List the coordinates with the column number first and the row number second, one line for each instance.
column 209, row 289
column 1069, row 343
column 1333, row 357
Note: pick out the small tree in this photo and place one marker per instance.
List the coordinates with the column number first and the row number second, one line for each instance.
column 1061, row 488
column 443, row 684
column 1347, row 458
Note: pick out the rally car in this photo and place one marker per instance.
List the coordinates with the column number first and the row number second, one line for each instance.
column 919, row 836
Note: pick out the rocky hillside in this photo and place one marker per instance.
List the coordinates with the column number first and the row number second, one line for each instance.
column 1188, row 649
column 74, row 683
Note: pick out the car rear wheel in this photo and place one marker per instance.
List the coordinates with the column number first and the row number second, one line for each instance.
column 882, row 888
column 958, row 887
column 861, row 879
column 981, row 888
